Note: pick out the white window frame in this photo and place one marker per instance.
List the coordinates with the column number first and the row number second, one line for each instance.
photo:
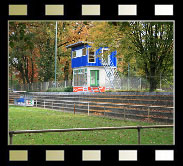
column 85, row 72
column 108, row 55
column 78, row 52
column 94, row 55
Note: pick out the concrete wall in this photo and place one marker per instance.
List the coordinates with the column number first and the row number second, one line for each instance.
column 106, row 93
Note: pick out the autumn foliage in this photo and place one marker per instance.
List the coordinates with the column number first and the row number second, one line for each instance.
column 147, row 47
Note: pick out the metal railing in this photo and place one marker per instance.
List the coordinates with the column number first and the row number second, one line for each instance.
column 86, row 107
column 164, row 83
column 11, row 133
column 40, row 86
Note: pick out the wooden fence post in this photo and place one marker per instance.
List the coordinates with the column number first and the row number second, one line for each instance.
column 148, row 114
column 104, row 110
column 124, row 114
column 11, row 138
column 74, row 109
column 138, row 128
column 88, row 109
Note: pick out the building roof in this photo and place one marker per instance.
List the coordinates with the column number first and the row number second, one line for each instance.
column 77, row 44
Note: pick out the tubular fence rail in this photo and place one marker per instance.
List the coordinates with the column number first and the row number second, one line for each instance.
column 40, row 86
column 142, row 83
column 11, row 133
column 127, row 83
column 126, row 110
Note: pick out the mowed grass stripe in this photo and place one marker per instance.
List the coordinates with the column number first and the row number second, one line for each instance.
column 30, row 118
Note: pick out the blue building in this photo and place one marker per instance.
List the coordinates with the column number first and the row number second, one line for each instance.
column 90, row 67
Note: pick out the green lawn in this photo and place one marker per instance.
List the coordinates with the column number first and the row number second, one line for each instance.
column 29, row 118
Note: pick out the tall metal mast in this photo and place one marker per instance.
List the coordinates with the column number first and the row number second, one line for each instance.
column 55, row 53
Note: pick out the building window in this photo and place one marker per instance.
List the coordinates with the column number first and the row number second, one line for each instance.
column 91, row 57
column 84, row 51
column 77, row 53
column 105, row 55
column 73, row 54
column 80, row 77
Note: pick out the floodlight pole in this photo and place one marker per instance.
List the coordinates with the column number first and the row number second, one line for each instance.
column 55, row 53
column 128, row 74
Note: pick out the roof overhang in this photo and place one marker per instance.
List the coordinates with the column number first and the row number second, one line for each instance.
column 78, row 44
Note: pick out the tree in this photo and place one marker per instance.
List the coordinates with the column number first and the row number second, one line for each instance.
column 152, row 43
column 31, row 52
column 21, row 51
column 108, row 34
column 146, row 46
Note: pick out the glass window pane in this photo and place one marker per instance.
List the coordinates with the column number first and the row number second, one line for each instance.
column 106, row 55
column 91, row 51
column 85, row 79
column 73, row 54
column 91, row 58
column 84, row 51
column 80, row 77
column 91, row 55
column 75, row 80
column 82, row 71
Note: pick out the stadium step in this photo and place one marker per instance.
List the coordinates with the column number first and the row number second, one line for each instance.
column 140, row 107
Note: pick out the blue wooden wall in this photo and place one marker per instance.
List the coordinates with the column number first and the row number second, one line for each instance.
column 83, row 60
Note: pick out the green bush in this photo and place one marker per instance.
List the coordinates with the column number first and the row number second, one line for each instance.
column 67, row 89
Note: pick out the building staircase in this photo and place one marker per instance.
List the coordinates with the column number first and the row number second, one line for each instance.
column 113, row 80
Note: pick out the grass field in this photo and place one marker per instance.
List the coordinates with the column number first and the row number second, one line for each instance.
column 29, row 118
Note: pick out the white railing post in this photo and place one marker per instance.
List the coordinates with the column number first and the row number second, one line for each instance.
column 140, row 83
column 65, row 84
column 40, row 86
